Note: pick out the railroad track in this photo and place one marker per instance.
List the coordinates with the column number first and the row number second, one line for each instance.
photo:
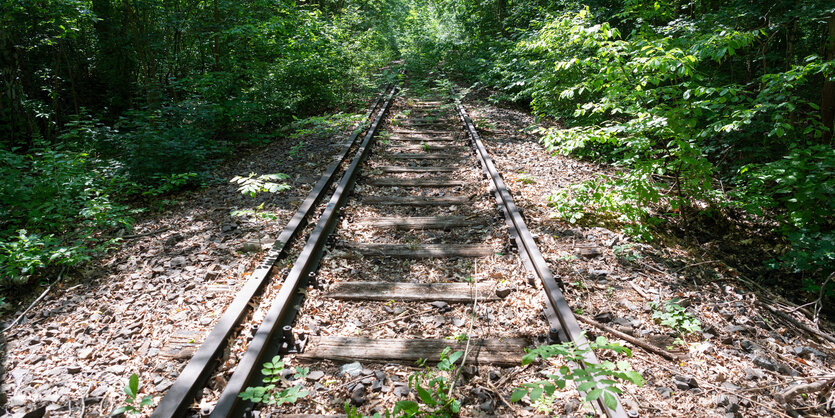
column 409, row 250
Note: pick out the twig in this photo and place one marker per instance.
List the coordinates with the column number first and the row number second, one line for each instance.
column 797, row 323
column 785, row 396
column 499, row 395
column 402, row 317
column 83, row 401
column 640, row 291
column 646, row 346
column 48, row 288
column 469, row 330
column 145, row 234
column 695, row 264
column 752, row 400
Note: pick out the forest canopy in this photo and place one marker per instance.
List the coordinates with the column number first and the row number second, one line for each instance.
column 711, row 110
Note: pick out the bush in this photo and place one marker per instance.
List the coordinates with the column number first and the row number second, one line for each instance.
column 57, row 210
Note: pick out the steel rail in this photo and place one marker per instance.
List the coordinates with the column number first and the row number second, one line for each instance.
column 530, row 253
column 248, row 367
column 178, row 398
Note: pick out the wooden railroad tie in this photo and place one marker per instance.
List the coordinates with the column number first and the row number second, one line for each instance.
column 420, row 250
column 416, row 182
column 421, row 222
column 493, row 351
column 419, row 138
column 407, row 169
column 426, row 147
column 423, row 132
column 422, row 156
column 447, row 292
column 416, row 200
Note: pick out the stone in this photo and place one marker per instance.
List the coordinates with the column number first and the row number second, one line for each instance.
column 685, row 382
column 604, row 317
column 664, row 392
column 358, row 395
column 807, row 352
column 441, row 305
column 572, row 406
column 351, row 369
column 753, row 374
column 377, row 386
column 733, row 329
column 627, row 304
column 487, row 406
column 503, row 292
column 766, row 363
column 163, row 386
column 459, row 322
column 315, row 375
column 178, row 261
column 74, row 369
column 588, row 252
column 749, row 346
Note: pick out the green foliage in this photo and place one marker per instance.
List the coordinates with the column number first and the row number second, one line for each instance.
column 104, row 102
column 702, row 107
column 433, row 387
column 266, row 183
column 595, row 380
column 132, row 392
column 323, row 126
column 800, row 190
column 58, row 210
column 272, row 394
column 673, row 315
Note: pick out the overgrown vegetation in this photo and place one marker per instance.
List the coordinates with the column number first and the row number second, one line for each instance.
column 106, row 106
column 710, row 109
column 130, row 405
column 595, row 380
column 278, row 389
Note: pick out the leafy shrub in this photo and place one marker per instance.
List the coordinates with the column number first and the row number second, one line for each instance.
column 673, row 315
column 272, row 394
column 595, row 379
column 57, row 210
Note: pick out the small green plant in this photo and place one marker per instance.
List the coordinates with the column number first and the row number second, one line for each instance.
column 673, row 315
column 626, row 253
column 525, row 179
column 434, row 389
column 595, row 380
column 296, row 150
column 425, row 146
column 132, row 391
column 252, row 185
column 271, row 394
column 545, row 404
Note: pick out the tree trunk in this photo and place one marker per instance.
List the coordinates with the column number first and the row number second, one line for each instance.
column 828, row 93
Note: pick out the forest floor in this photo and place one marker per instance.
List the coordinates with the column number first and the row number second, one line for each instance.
column 146, row 307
